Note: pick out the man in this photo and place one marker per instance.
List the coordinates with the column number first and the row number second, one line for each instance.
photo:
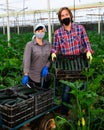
column 70, row 39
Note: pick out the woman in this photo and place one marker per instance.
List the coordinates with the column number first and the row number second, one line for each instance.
column 36, row 59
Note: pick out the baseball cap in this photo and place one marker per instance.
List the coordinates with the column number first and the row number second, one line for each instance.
column 40, row 25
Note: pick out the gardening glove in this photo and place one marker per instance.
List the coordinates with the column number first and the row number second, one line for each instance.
column 53, row 56
column 89, row 56
column 44, row 71
column 25, row 80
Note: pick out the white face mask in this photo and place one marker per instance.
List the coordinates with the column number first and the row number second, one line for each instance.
column 40, row 35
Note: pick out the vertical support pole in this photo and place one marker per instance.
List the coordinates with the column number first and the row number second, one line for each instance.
column 3, row 26
column 49, row 20
column 8, row 26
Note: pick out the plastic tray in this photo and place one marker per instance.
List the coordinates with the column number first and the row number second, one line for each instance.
column 70, row 67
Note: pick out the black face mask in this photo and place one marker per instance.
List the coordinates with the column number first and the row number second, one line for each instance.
column 66, row 21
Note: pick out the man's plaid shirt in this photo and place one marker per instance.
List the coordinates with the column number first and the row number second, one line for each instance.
column 73, row 42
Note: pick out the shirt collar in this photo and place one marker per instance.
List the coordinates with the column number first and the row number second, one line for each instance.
column 35, row 43
column 72, row 26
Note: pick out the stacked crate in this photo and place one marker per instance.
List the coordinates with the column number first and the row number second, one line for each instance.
column 21, row 103
column 43, row 98
column 15, row 109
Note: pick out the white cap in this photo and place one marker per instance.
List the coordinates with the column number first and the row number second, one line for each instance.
column 40, row 25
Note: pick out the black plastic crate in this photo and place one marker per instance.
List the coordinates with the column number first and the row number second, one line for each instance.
column 70, row 67
column 15, row 114
column 43, row 100
column 25, row 91
column 35, row 101
column 10, row 124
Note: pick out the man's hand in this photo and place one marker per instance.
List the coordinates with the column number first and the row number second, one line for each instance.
column 53, row 55
column 89, row 56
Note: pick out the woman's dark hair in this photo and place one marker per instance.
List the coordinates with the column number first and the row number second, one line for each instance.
column 39, row 28
column 64, row 8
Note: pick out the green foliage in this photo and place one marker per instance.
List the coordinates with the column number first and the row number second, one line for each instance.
column 11, row 58
column 87, row 105
column 63, row 124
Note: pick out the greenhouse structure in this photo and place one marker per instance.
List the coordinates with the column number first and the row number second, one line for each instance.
column 31, row 106
column 24, row 17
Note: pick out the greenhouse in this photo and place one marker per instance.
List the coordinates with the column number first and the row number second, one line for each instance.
column 36, row 84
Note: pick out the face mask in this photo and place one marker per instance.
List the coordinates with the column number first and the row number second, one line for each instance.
column 66, row 21
column 40, row 35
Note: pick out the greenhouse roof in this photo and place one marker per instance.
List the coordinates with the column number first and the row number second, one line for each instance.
column 25, row 11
